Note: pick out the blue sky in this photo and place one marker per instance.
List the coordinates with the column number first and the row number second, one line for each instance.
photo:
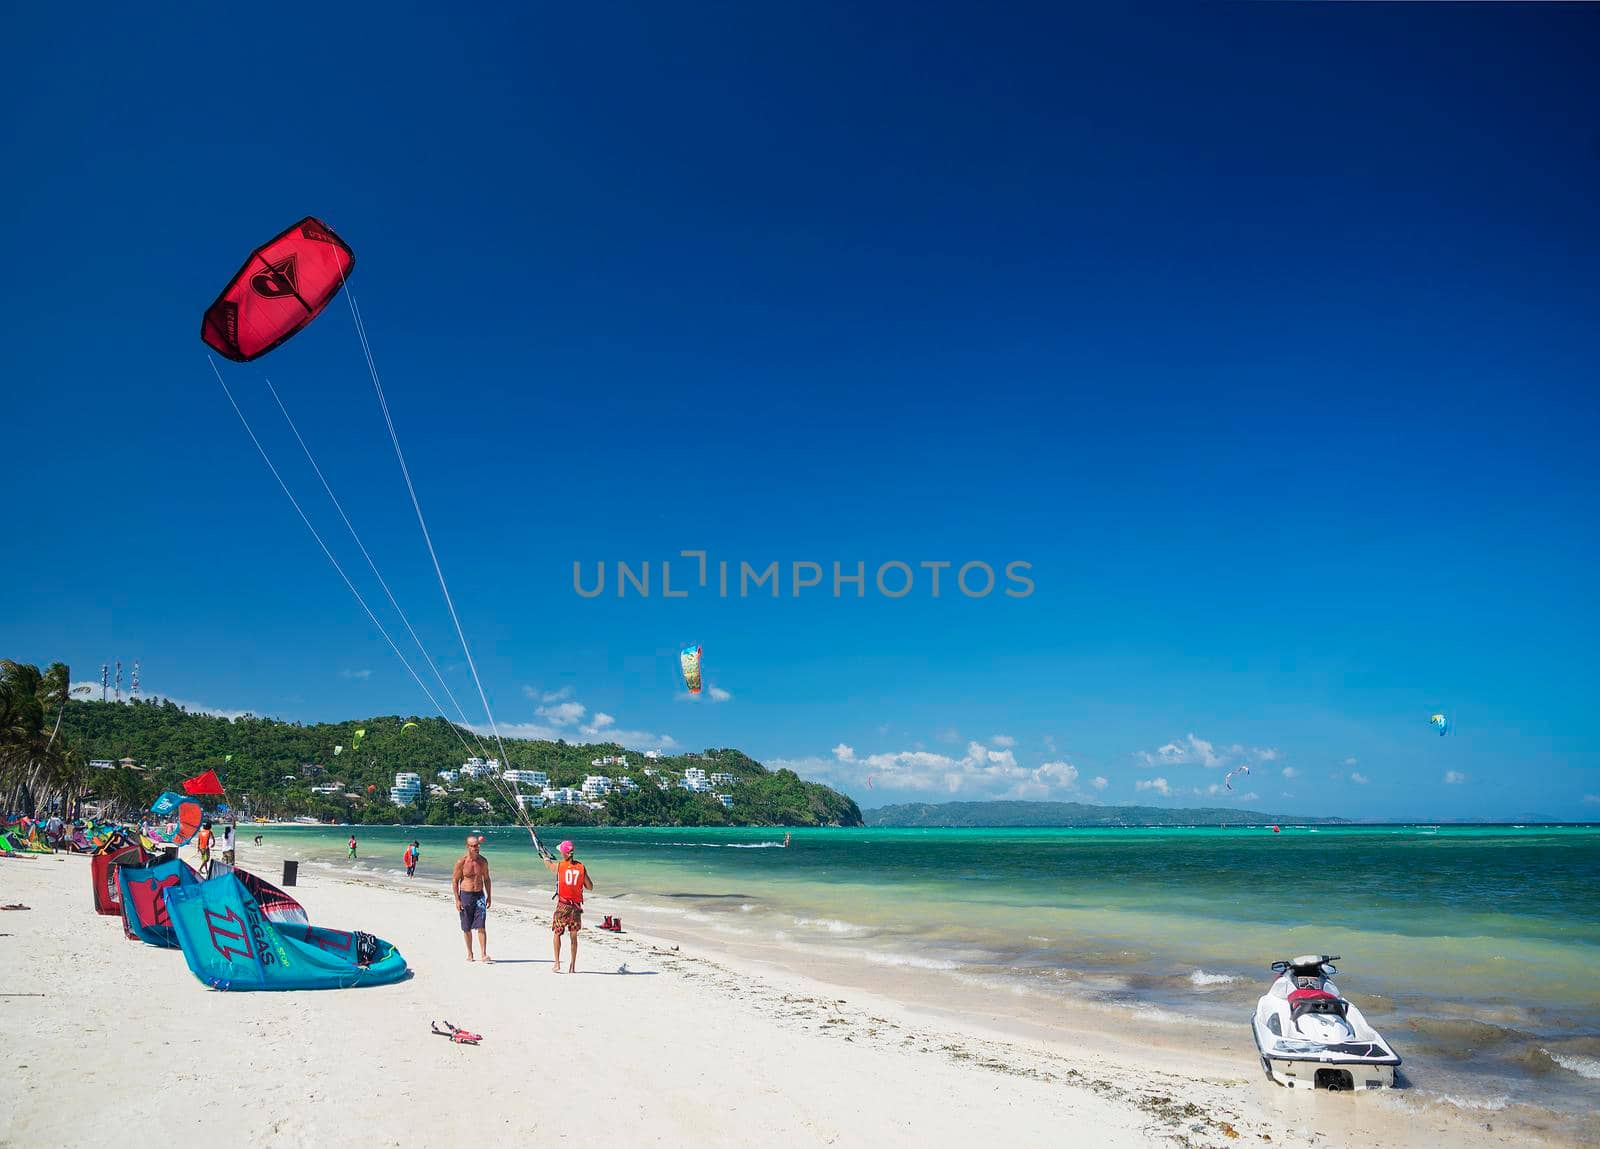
column 1265, row 334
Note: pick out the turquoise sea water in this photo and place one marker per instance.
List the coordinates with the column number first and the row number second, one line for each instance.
column 1475, row 949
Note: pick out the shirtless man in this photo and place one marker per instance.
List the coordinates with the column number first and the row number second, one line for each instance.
column 470, row 885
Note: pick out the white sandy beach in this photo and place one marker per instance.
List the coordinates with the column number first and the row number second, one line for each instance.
column 688, row 1047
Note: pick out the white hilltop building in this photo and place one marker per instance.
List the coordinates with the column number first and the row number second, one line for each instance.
column 531, row 801
column 536, row 778
column 695, row 781
column 596, row 786
column 563, row 796
column 406, row 790
column 725, row 799
column 724, row 780
column 479, row 768
column 626, row 785
column 449, row 775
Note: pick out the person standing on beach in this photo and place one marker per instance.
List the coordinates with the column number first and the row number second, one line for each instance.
column 413, row 852
column 202, row 842
column 352, row 847
column 572, row 878
column 469, row 882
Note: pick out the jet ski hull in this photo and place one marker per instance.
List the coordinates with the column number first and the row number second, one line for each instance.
column 1329, row 1068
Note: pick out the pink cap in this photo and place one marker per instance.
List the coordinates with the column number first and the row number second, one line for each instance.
column 565, row 847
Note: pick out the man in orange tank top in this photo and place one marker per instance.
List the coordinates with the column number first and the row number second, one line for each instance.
column 202, row 843
column 572, row 878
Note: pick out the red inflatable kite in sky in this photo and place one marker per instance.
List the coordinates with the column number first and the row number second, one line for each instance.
column 283, row 286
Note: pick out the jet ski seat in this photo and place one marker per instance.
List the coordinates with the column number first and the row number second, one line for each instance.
column 1303, row 1001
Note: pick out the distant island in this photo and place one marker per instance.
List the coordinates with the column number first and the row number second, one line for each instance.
column 999, row 815
column 383, row 770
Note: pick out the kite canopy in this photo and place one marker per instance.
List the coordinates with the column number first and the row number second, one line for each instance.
column 1440, row 723
column 282, row 287
column 103, row 869
column 230, row 943
column 189, row 818
column 690, row 658
column 144, row 899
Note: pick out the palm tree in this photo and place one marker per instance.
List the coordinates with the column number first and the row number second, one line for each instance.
column 33, row 758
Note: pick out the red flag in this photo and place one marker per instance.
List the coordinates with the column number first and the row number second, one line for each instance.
column 207, row 783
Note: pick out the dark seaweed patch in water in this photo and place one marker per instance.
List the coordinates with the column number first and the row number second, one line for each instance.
column 709, row 897
column 1461, row 1036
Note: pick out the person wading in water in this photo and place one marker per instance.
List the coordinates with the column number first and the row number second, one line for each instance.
column 572, row 878
column 470, row 885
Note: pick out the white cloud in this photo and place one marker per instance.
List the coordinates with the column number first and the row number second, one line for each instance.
column 1159, row 785
column 536, row 731
column 1003, row 740
column 1351, row 761
column 361, row 674
column 600, row 723
column 91, row 691
column 1099, row 783
column 1290, row 772
column 641, row 739
column 950, row 734
column 982, row 772
column 1454, row 777
column 1193, row 750
column 720, row 695
column 1358, row 779
column 562, row 713
column 1050, row 743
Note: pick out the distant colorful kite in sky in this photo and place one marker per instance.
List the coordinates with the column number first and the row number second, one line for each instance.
column 690, row 658
column 1227, row 779
column 1440, row 723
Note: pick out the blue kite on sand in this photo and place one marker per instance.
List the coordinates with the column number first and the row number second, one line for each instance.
column 230, row 943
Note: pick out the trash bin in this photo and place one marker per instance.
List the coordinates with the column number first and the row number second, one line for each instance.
column 291, row 871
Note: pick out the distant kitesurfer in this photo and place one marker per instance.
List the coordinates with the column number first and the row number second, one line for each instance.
column 258, row 839
column 572, row 878
column 786, row 840
column 413, row 852
column 352, row 847
column 469, row 882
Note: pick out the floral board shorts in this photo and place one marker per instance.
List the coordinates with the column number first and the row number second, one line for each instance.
column 568, row 916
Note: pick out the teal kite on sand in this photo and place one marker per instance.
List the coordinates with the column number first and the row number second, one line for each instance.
column 230, row 943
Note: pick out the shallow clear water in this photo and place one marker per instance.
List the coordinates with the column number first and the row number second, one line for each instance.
column 1473, row 948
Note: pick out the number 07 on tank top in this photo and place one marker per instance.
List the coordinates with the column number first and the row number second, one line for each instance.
column 569, row 881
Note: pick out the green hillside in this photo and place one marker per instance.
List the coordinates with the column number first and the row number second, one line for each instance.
column 274, row 766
